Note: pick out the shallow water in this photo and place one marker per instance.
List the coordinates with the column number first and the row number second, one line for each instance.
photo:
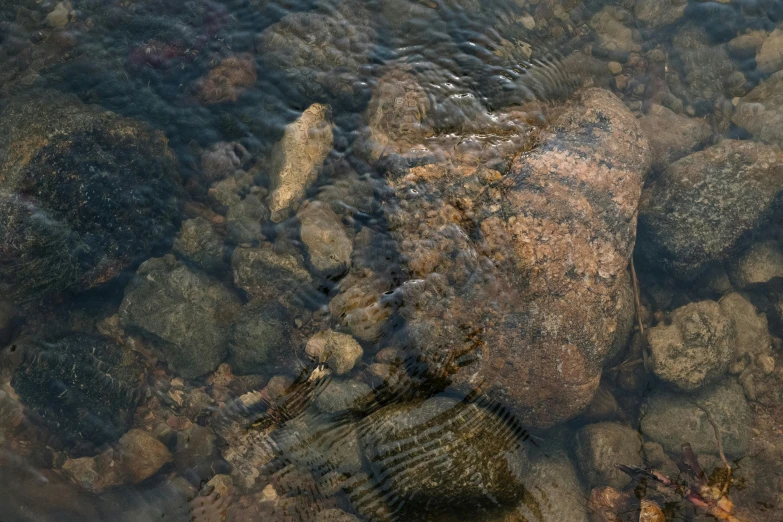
column 391, row 260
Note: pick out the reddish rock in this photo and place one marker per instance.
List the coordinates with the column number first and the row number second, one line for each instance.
column 522, row 271
column 227, row 81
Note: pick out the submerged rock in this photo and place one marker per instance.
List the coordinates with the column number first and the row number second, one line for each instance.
column 750, row 329
column 600, row 447
column 769, row 58
column 328, row 244
column 339, row 351
column 760, row 264
column 264, row 274
column 82, row 388
column 297, row 157
column 261, row 340
column 480, row 462
column 84, row 193
column 198, row 243
column 695, row 349
column 672, row 419
column 142, row 455
column 760, row 112
column 521, row 271
column 222, row 159
column 227, row 81
column 330, row 71
column 672, row 135
column 185, row 313
column 683, row 229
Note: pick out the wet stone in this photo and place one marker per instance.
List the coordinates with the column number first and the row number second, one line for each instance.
column 325, row 237
column 195, row 449
column 296, row 159
column 260, row 341
column 83, row 388
column 84, row 193
column 600, row 447
column 672, row 136
column 469, row 442
column 769, row 58
column 228, row 80
column 199, row 243
column 142, row 455
column 695, row 348
column 342, row 395
column 222, row 159
column 760, row 264
column 672, row 419
column 184, row 312
column 244, row 220
column 338, row 351
column 750, row 328
column 683, row 231
column 760, row 112
column 264, row 274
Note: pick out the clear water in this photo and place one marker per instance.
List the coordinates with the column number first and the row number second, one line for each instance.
column 394, row 260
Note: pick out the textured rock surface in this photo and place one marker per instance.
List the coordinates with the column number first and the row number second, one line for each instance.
column 82, row 388
column 672, row 419
column 198, row 243
column 683, row 230
column 297, row 157
column 480, row 461
column 750, row 328
column 222, row 159
column 523, row 271
column 328, row 244
column 339, row 351
column 185, row 313
column 84, row 193
column 228, row 80
column 761, row 263
column 672, row 135
column 264, row 274
column 142, row 455
column 769, row 58
column 331, row 70
column 656, row 13
column 600, row 447
column 760, row 112
column 244, row 220
column 261, row 340
column 695, row 349
column 342, row 395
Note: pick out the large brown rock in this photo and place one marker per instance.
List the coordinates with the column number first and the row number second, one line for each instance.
column 522, row 270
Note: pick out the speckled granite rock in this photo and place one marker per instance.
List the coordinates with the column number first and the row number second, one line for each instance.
column 524, row 270
column 185, row 313
column 297, row 157
column 695, row 349
column 84, row 193
column 683, row 230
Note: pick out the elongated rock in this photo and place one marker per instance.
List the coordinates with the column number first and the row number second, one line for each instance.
column 297, row 158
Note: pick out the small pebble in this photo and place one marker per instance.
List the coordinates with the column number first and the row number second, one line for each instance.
column 615, row 68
